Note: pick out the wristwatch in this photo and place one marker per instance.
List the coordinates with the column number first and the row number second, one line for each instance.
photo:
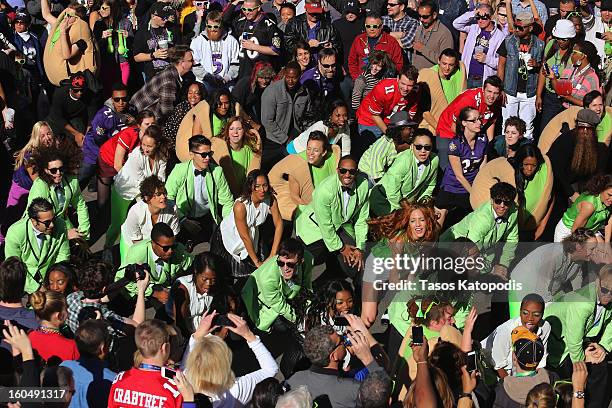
column 579, row 394
column 465, row 395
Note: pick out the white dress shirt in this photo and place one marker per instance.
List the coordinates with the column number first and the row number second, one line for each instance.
column 138, row 224
column 134, row 171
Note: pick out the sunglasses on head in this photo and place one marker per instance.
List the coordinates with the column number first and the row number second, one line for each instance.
column 352, row 172
column 55, row 170
column 328, row 65
column 421, row 147
column 46, row 223
column 120, row 99
column 165, row 248
column 499, row 201
column 248, row 9
column 290, row 265
column 213, row 26
column 204, row 154
column 483, row 17
column 373, row 26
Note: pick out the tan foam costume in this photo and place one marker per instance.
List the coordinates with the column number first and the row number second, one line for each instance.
column 500, row 168
column 56, row 67
column 222, row 156
column 185, row 131
column 552, row 130
column 438, row 99
column 297, row 167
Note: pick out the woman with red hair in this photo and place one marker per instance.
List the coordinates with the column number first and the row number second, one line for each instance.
column 405, row 231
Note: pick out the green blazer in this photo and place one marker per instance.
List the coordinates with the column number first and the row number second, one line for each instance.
column 480, row 227
column 142, row 253
column 74, row 198
column 572, row 318
column 21, row 242
column 400, row 182
column 180, row 185
column 324, row 216
column 265, row 293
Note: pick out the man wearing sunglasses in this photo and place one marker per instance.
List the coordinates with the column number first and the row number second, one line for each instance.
column 494, row 222
column 480, row 49
column 194, row 23
column 324, row 80
column 68, row 114
column 165, row 258
column 520, row 55
column 216, row 54
column 279, row 279
column 581, row 324
column 200, row 191
column 109, row 120
column 338, row 223
column 374, row 38
column 259, row 37
column 38, row 240
column 431, row 37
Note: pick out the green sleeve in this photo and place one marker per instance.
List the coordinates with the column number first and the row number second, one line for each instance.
column 392, row 182
column 480, row 225
column 64, row 252
column 11, row 244
column 606, row 337
column 510, row 241
column 38, row 190
column 226, row 199
column 173, row 183
column 361, row 225
column 308, row 264
column 78, row 202
column 323, row 214
column 272, row 295
column 576, row 316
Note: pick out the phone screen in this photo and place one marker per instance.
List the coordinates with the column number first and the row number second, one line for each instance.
column 417, row 335
column 471, row 361
column 168, row 373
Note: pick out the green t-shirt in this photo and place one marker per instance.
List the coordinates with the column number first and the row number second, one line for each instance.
column 217, row 124
column 318, row 174
column 241, row 159
column 596, row 221
column 452, row 87
column 533, row 190
column 604, row 128
column 555, row 61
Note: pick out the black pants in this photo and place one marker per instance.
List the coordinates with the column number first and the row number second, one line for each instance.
column 334, row 260
column 597, row 392
column 197, row 230
column 272, row 154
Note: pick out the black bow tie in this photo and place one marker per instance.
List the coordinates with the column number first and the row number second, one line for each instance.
column 499, row 220
column 347, row 189
column 197, row 172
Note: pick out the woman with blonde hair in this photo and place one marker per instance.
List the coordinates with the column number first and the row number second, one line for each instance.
column 208, row 363
column 244, row 148
column 24, row 175
column 51, row 310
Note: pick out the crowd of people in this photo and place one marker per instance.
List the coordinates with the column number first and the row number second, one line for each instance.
column 306, row 203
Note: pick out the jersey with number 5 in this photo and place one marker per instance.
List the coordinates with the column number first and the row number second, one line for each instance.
column 384, row 100
column 142, row 388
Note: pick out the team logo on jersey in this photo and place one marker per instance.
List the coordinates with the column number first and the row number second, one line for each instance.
column 99, row 130
column 452, row 146
column 276, row 42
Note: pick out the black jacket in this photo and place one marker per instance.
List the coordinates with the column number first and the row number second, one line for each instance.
column 348, row 31
column 297, row 29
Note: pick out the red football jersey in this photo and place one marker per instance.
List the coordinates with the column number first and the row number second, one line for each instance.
column 143, row 389
column 471, row 97
column 384, row 100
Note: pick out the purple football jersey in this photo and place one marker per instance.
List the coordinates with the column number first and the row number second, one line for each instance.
column 470, row 162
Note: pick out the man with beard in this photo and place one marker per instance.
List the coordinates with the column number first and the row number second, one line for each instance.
column 431, row 36
column 216, row 55
column 323, row 80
